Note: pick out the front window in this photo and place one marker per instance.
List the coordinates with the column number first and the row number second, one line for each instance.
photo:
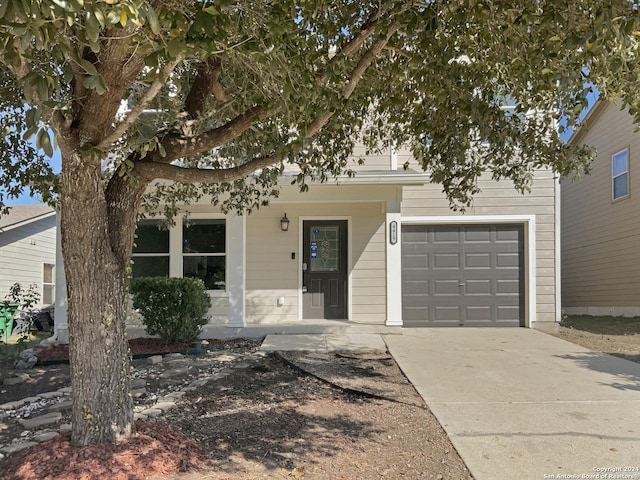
column 204, row 252
column 151, row 251
column 620, row 174
column 48, row 283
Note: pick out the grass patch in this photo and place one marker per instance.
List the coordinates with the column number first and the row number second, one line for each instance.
column 603, row 325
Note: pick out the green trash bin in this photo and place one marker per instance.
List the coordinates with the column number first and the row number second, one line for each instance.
column 7, row 312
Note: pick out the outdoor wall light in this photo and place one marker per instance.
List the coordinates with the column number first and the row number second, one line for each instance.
column 284, row 223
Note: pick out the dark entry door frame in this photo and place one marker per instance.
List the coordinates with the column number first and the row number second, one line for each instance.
column 325, row 292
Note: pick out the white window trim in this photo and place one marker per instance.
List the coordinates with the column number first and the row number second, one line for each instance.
column 626, row 172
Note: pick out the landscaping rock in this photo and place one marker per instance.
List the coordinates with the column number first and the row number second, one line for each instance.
column 15, row 379
column 154, row 359
column 43, row 437
column 57, row 407
column 16, row 447
column 138, row 383
column 26, row 359
column 41, row 421
column 65, row 427
column 174, row 372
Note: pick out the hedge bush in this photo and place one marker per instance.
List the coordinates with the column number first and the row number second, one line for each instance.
column 172, row 308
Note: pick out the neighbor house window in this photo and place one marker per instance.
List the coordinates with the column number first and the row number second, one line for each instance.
column 151, row 251
column 48, row 283
column 204, row 252
column 620, row 174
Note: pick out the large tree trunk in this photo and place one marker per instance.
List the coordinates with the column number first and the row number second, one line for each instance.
column 97, row 227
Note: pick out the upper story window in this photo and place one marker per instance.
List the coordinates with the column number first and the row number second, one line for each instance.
column 151, row 251
column 204, row 252
column 620, row 174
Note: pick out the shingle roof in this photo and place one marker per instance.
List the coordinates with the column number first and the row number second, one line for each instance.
column 23, row 213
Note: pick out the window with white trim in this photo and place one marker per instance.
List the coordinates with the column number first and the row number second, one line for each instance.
column 204, row 251
column 150, row 251
column 48, row 283
column 620, row 174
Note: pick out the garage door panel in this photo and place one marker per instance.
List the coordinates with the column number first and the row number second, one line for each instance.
column 446, row 287
column 478, row 313
column 446, row 235
column 477, row 234
column 507, row 234
column 508, row 286
column 416, row 261
column 477, row 260
column 477, row 287
column 464, row 275
column 508, row 260
column 446, row 314
column 446, row 260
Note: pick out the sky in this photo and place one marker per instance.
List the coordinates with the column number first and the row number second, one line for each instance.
column 25, row 199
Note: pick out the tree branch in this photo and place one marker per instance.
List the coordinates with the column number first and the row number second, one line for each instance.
column 367, row 59
column 178, row 146
column 205, row 83
column 151, row 170
column 140, row 106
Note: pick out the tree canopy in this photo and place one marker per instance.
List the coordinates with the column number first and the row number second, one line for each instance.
column 217, row 97
column 219, row 90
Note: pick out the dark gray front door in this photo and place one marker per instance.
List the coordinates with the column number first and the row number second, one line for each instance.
column 324, row 276
column 463, row 275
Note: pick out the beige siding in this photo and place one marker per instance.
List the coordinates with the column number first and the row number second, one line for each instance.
column 23, row 252
column 500, row 198
column 600, row 236
column 272, row 274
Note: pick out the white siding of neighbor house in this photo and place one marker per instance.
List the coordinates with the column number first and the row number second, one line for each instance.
column 23, row 252
column 500, row 198
column 271, row 273
column 601, row 236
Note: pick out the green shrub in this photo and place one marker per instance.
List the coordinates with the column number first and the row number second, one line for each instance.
column 172, row 308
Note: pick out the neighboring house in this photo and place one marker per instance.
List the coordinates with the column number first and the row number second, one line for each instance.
column 28, row 250
column 382, row 249
column 600, row 219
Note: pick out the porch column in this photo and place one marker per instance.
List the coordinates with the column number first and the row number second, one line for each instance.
column 61, row 327
column 394, row 260
column 236, row 266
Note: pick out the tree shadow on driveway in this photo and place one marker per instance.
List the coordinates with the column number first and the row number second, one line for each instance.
column 625, row 372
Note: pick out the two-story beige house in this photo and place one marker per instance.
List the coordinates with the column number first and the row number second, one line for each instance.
column 601, row 219
column 379, row 250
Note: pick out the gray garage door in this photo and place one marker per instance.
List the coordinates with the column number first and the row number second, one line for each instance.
column 462, row 275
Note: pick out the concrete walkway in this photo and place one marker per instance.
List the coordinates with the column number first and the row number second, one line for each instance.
column 369, row 342
column 520, row 404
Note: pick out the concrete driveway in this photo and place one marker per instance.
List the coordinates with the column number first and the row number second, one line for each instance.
column 521, row 404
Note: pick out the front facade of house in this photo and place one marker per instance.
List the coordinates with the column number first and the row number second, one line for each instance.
column 600, row 223
column 28, row 250
column 379, row 250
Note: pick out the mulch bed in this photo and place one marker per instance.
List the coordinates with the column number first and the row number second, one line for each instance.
column 138, row 347
column 156, row 448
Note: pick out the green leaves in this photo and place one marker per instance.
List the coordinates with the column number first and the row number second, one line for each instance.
column 43, row 141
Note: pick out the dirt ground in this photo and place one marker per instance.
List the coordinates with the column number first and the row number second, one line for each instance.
column 275, row 416
column 272, row 417
column 616, row 336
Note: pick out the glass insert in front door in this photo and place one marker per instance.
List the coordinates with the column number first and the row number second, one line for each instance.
column 325, row 249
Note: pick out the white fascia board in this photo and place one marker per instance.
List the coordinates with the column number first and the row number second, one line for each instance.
column 27, row 221
column 368, row 179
